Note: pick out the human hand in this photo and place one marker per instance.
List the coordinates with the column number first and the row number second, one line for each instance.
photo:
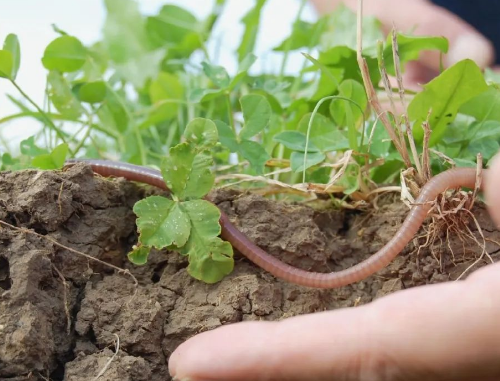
column 439, row 332
column 424, row 18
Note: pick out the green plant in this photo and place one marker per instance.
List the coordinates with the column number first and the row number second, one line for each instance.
column 143, row 91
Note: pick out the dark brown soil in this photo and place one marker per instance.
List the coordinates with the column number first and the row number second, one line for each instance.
column 94, row 216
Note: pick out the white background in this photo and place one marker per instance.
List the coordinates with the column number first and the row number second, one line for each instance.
column 31, row 20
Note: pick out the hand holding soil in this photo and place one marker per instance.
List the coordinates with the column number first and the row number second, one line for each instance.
column 437, row 332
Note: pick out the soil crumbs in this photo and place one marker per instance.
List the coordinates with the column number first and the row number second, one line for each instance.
column 61, row 314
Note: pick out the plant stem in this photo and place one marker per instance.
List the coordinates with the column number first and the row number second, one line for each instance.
column 230, row 112
column 49, row 122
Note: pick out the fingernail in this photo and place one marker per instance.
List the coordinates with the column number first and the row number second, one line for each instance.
column 471, row 46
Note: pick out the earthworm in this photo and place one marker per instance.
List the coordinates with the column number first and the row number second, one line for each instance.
column 452, row 178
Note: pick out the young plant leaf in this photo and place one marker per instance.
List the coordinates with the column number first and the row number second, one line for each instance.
column 410, row 47
column 53, row 160
column 227, row 136
column 202, row 133
column 166, row 90
column 324, row 134
column 295, row 140
column 62, row 97
column 65, row 54
column 162, row 222
column 444, row 95
column 312, row 159
column 187, row 172
column 11, row 44
column 256, row 112
column 210, row 259
column 28, row 147
column 217, row 74
column 6, row 64
column 255, row 154
column 139, row 255
column 485, row 106
column 92, row 92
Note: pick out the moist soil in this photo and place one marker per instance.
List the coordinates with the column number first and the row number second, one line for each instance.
column 61, row 313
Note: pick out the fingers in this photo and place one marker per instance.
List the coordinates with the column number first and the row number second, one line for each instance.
column 440, row 332
column 424, row 18
column 492, row 190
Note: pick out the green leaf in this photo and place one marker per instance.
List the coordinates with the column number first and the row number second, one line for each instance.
column 410, row 47
column 312, row 159
column 485, row 106
column 92, row 92
column 295, row 140
column 65, row 54
column 227, row 136
column 217, row 74
column 62, row 97
column 251, row 21
column 302, row 36
column 202, row 132
column 187, row 172
column 166, row 87
column 139, row 255
column 486, row 147
column 210, row 259
column 173, row 26
column 53, row 160
column 444, row 95
column 6, row 64
column 256, row 113
column 112, row 112
column 11, row 44
column 254, row 153
column 124, row 31
column 28, row 147
column 162, row 222
column 349, row 112
column 324, row 134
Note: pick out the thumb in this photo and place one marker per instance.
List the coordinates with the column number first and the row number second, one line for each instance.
column 492, row 186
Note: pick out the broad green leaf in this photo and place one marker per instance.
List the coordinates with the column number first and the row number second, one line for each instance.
column 6, row 64
column 312, row 159
column 62, row 97
column 341, row 31
column 444, row 96
column 11, row 44
column 124, row 31
column 187, row 172
column 140, row 69
column 227, row 136
column 217, row 74
column 324, row 134
column 254, row 153
column 173, row 26
column 139, row 255
column 410, row 47
column 65, row 54
column 256, row 113
column 201, row 132
column 485, row 106
column 162, row 222
column 347, row 113
column 328, row 83
column 53, row 160
column 92, row 92
column 304, row 35
column 28, row 147
column 486, row 147
column 166, row 87
column 210, row 259
column 380, row 142
column 251, row 21
column 295, row 140
column 112, row 112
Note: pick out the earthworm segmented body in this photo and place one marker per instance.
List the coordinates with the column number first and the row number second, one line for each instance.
column 453, row 178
